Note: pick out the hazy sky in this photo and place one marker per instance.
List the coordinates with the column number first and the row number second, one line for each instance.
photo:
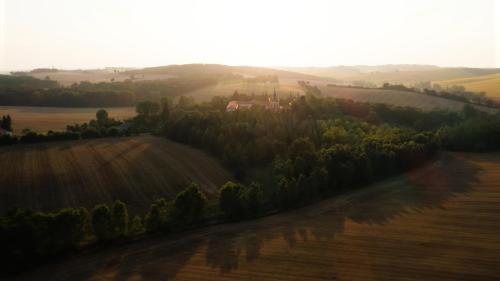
column 99, row 33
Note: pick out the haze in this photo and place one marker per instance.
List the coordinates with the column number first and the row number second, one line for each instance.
column 94, row 34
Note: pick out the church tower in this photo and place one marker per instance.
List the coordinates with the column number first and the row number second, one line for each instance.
column 274, row 102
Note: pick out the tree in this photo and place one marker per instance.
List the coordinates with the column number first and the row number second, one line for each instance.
column 230, row 200
column 165, row 109
column 102, row 117
column 120, row 219
column 189, row 204
column 66, row 229
column 102, row 224
column 303, row 156
column 153, row 220
column 252, row 199
column 147, row 108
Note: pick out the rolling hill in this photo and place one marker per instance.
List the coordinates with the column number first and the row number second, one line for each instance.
column 398, row 98
column 436, row 223
column 490, row 84
column 136, row 170
column 397, row 74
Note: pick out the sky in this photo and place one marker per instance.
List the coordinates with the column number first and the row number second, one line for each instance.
column 101, row 33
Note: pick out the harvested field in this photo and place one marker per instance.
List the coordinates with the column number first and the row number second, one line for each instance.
column 42, row 119
column 136, row 170
column 436, row 223
column 398, row 98
column 490, row 84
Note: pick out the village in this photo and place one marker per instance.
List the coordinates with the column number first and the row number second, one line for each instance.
column 271, row 103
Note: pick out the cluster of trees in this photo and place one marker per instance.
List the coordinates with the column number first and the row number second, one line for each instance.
column 8, row 83
column 478, row 132
column 29, row 91
column 308, row 89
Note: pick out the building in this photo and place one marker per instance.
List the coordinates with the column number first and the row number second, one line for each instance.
column 232, row 106
column 274, row 102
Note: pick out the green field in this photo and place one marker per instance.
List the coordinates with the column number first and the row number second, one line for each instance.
column 436, row 223
column 136, row 170
column 490, row 84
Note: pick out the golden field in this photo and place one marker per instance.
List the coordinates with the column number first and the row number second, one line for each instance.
column 436, row 223
column 490, row 84
column 136, row 170
column 43, row 119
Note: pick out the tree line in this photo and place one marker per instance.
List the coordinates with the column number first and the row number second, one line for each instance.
column 28, row 238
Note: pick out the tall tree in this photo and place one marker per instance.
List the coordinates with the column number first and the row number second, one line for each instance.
column 120, row 219
column 102, row 222
column 102, row 117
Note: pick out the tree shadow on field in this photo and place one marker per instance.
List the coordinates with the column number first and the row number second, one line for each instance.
column 414, row 192
column 231, row 247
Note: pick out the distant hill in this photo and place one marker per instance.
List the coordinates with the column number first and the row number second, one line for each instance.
column 490, row 84
column 68, row 77
column 219, row 69
column 405, row 74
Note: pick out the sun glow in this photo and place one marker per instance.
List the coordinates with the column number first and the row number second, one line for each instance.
column 84, row 34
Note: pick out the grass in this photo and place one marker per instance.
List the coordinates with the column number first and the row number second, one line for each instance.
column 136, row 170
column 490, row 84
column 398, row 98
column 43, row 119
column 436, row 223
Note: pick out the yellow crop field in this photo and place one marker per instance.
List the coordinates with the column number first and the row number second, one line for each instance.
column 136, row 170
column 43, row 119
column 436, row 223
column 490, row 84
